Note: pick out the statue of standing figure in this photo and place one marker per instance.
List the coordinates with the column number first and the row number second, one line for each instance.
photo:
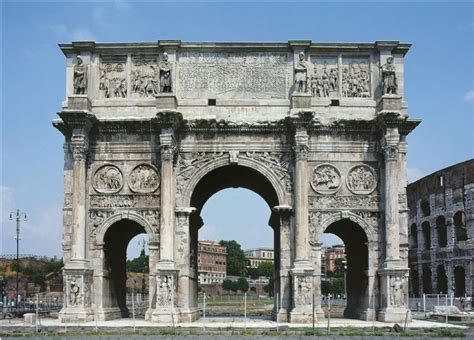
column 301, row 74
column 165, row 68
column 389, row 79
column 80, row 77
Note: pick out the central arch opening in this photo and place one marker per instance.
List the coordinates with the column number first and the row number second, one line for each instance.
column 226, row 292
column 355, row 268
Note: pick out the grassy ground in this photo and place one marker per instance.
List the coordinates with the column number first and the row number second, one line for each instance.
column 346, row 331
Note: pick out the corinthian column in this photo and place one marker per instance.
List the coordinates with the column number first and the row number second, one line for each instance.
column 166, row 271
column 302, row 271
column 301, row 196
column 76, row 272
column 392, row 178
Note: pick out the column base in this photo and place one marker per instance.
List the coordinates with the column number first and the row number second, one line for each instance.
column 189, row 314
column 394, row 315
column 148, row 314
column 302, row 315
column 359, row 314
column 165, row 315
column 281, row 315
column 76, row 315
column 108, row 313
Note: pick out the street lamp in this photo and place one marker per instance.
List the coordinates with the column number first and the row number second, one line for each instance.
column 17, row 217
column 344, row 262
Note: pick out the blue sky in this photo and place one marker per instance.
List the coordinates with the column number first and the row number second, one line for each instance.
column 439, row 76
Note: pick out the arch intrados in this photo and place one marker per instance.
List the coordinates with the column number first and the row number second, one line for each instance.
column 221, row 176
column 124, row 216
column 366, row 229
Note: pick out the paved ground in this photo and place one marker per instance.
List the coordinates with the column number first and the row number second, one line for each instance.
column 226, row 322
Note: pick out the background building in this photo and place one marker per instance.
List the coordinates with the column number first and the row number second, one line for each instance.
column 331, row 255
column 441, row 232
column 258, row 255
column 212, row 262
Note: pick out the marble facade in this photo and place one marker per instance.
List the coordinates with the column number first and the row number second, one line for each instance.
column 162, row 126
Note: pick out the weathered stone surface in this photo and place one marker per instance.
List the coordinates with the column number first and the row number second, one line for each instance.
column 159, row 127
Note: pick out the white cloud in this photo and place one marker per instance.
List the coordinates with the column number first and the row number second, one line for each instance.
column 414, row 174
column 469, row 96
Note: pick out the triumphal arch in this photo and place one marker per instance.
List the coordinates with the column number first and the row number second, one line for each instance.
column 152, row 130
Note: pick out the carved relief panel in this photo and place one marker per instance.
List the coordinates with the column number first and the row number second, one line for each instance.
column 144, row 178
column 326, row 179
column 107, row 179
column 113, row 77
column 144, row 76
column 355, row 77
column 361, row 180
column 324, row 81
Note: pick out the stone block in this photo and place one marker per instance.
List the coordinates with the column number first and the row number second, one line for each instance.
column 29, row 318
column 79, row 102
column 389, row 103
column 166, row 101
column 301, row 100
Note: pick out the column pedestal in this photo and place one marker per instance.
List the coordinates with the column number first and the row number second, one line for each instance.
column 394, row 295
column 77, row 279
column 302, row 275
column 166, row 310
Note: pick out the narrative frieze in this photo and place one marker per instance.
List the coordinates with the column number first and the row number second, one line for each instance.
column 144, row 179
column 124, row 201
column 259, row 75
column 324, row 81
column 344, row 202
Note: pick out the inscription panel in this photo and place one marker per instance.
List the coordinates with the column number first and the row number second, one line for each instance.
column 250, row 75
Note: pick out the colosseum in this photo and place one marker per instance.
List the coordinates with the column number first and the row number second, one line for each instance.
column 441, row 232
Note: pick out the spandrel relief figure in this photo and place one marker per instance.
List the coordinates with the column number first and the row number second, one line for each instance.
column 301, row 74
column 389, row 79
column 80, row 77
column 165, row 68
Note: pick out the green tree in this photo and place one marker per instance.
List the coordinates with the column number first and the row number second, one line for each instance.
column 138, row 265
column 265, row 269
column 227, row 285
column 242, row 284
column 235, row 258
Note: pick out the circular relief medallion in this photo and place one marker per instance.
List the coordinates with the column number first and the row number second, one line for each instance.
column 361, row 180
column 144, row 179
column 108, row 179
column 326, row 179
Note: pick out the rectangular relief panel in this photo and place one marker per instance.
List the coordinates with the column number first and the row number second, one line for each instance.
column 234, row 75
column 356, row 77
column 144, row 76
column 324, row 80
column 113, row 77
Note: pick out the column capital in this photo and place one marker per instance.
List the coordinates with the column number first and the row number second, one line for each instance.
column 168, row 146
column 301, row 146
